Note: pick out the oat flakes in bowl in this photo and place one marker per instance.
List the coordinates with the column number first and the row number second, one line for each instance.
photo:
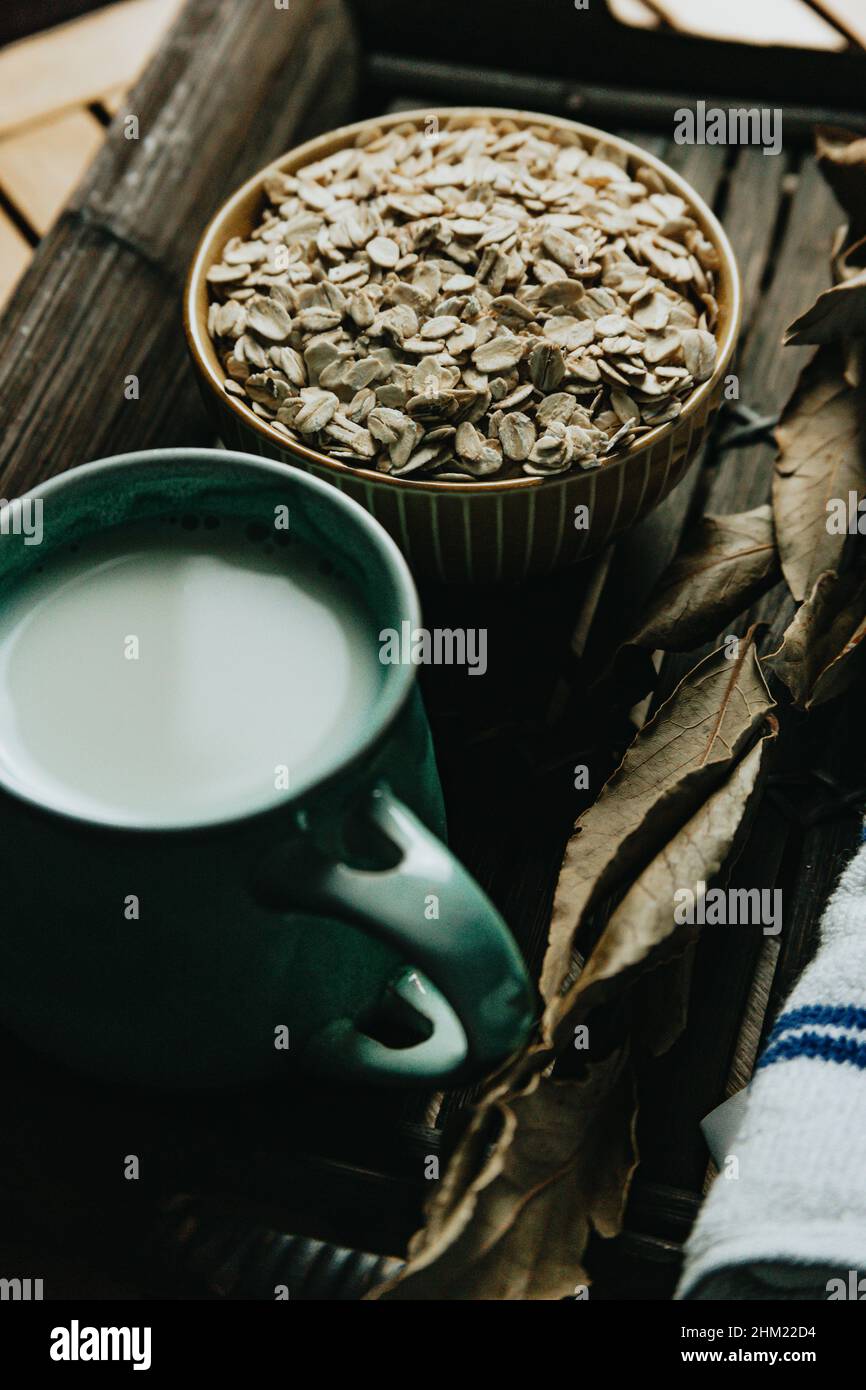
column 508, row 302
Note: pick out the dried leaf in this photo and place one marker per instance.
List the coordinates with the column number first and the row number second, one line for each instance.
column 542, row 1161
column 841, row 158
column 822, row 457
column 840, row 312
column 848, row 259
column 848, row 262
column 822, row 651
column 560, row 1167
column 855, row 361
column 837, row 313
column 681, row 756
column 644, row 920
column 725, row 564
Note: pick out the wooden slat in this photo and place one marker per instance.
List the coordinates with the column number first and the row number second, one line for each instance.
column 15, row 253
column 850, row 15
column 74, row 63
column 113, row 101
column 826, row 745
column 41, row 165
column 754, row 1016
column 768, row 371
column 754, row 198
column 634, row 13
column 787, row 22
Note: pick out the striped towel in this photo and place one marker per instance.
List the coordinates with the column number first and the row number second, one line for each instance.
column 786, row 1217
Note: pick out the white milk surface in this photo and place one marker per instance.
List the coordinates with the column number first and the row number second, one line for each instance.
column 162, row 676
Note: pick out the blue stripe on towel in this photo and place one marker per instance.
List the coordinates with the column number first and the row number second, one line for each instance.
column 837, row 1015
column 818, row 1045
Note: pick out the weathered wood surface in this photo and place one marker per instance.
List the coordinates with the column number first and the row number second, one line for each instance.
column 233, row 86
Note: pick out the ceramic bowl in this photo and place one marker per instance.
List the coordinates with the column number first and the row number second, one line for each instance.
column 486, row 531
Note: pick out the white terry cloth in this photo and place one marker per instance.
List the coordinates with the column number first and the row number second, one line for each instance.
column 795, row 1216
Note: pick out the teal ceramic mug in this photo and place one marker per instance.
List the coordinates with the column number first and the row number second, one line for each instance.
column 280, row 937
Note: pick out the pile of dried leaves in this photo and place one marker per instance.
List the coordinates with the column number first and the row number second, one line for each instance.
column 546, row 1159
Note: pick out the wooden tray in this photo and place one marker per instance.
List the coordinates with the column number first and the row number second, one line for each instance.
column 241, row 1185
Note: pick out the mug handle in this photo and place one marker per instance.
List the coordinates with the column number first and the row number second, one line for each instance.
column 476, row 996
